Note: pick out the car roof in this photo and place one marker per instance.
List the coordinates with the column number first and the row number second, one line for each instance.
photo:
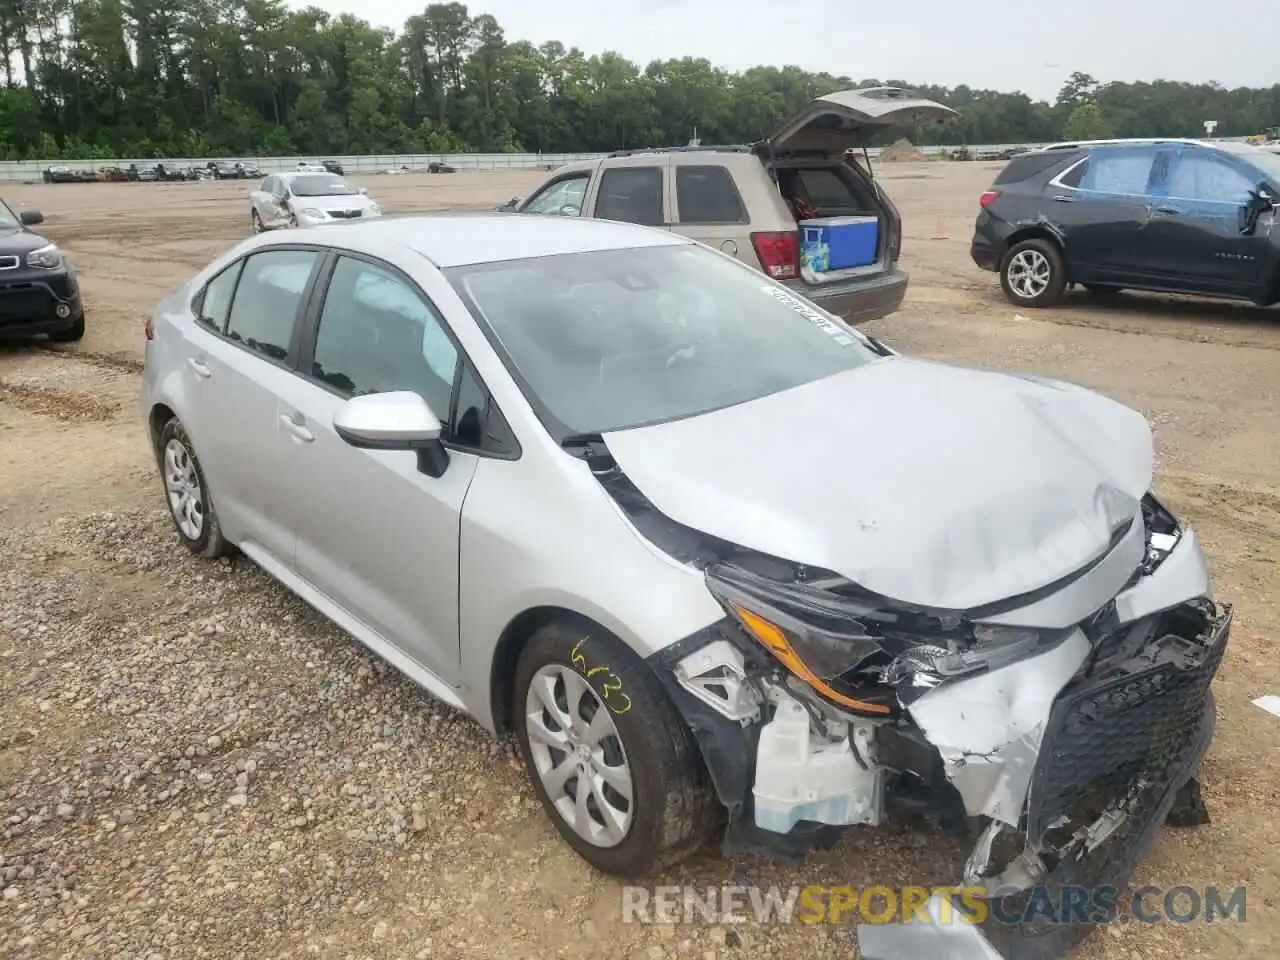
column 463, row 240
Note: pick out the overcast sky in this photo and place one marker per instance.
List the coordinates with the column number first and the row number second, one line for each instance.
column 997, row 44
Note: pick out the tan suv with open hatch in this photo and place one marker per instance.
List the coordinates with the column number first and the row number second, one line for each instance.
column 765, row 203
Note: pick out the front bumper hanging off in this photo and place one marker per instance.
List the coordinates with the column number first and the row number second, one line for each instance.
column 1072, row 758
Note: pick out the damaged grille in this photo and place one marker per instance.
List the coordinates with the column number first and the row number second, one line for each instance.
column 1128, row 722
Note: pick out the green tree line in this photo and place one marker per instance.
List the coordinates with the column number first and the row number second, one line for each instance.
column 88, row 79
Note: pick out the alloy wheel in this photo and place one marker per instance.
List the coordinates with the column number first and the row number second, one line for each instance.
column 579, row 755
column 182, row 483
column 1029, row 274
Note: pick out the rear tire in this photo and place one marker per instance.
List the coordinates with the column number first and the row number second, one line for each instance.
column 1033, row 273
column 187, row 493
column 627, row 790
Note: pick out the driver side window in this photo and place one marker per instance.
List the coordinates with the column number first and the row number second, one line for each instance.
column 378, row 334
column 562, row 198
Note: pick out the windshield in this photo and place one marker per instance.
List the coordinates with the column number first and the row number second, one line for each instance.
column 614, row 339
column 7, row 217
column 1268, row 163
column 321, row 185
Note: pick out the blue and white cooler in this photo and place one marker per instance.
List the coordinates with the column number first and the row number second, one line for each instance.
column 830, row 245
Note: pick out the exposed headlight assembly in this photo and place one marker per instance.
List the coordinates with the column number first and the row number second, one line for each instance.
column 1163, row 533
column 833, row 640
column 48, row 257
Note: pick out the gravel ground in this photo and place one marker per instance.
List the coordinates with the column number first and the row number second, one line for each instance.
column 195, row 764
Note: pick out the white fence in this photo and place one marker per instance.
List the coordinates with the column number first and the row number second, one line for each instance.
column 30, row 170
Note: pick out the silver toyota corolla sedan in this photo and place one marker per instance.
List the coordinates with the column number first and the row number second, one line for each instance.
column 726, row 566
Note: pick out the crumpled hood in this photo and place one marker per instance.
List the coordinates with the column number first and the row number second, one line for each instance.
column 934, row 485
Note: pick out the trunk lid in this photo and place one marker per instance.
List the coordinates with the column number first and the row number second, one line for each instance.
column 849, row 119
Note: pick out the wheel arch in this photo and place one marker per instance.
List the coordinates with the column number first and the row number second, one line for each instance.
column 1034, row 231
column 159, row 415
column 506, row 654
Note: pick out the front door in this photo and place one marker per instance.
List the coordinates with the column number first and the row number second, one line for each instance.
column 374, row 534
column 1195, row 224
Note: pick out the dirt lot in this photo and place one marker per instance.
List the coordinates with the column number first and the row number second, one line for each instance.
column 193, row 764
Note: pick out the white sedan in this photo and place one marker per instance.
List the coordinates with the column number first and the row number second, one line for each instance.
column 305, row 199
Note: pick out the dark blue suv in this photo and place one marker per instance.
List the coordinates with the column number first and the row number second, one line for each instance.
column 1180, row 216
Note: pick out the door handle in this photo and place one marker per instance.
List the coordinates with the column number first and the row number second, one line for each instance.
column 1165, row 208
column 297, row 429
column 199, row 367
column 1064, row 198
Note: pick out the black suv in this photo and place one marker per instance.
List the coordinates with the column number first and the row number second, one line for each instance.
column 38, row 289
column 1180, row 216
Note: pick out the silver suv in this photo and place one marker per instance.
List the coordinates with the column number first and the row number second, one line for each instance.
column 748, row 200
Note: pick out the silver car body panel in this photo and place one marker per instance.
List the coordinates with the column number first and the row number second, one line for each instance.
column 517, row 512
column 988, row 728
column 946, row 936
column 933, row 485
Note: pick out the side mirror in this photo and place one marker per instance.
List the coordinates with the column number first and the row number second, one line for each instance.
column 510, row 205
column 29, row 218
column 399, row 420
column 364, row 191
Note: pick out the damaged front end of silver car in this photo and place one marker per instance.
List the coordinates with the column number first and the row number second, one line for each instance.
column 1056, row 729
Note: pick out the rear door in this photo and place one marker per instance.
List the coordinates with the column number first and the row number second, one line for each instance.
column 1099, row 207
column 241, row 351
column 1194, row 231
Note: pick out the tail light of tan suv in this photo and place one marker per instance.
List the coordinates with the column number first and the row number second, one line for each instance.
column 779, row 253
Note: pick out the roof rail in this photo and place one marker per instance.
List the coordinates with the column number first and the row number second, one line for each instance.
column 1118, row 141
column 701, row 148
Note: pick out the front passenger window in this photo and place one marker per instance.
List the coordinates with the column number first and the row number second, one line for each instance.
column 378, row 334
column 1197, row 176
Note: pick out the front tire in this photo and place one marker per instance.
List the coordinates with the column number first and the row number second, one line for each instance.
column 187, row 493
column 1033, row 273
column 614, row 765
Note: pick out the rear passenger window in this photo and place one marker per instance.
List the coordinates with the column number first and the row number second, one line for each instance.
column 1123, row 172
column 267, row 300
column 707, row 195
column 1075, row 176
column 215, row 301
column 631, row 194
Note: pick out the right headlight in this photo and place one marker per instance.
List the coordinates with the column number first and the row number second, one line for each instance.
column 847, row 646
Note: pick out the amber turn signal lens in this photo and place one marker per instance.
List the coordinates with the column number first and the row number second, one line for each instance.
column 776, row 642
